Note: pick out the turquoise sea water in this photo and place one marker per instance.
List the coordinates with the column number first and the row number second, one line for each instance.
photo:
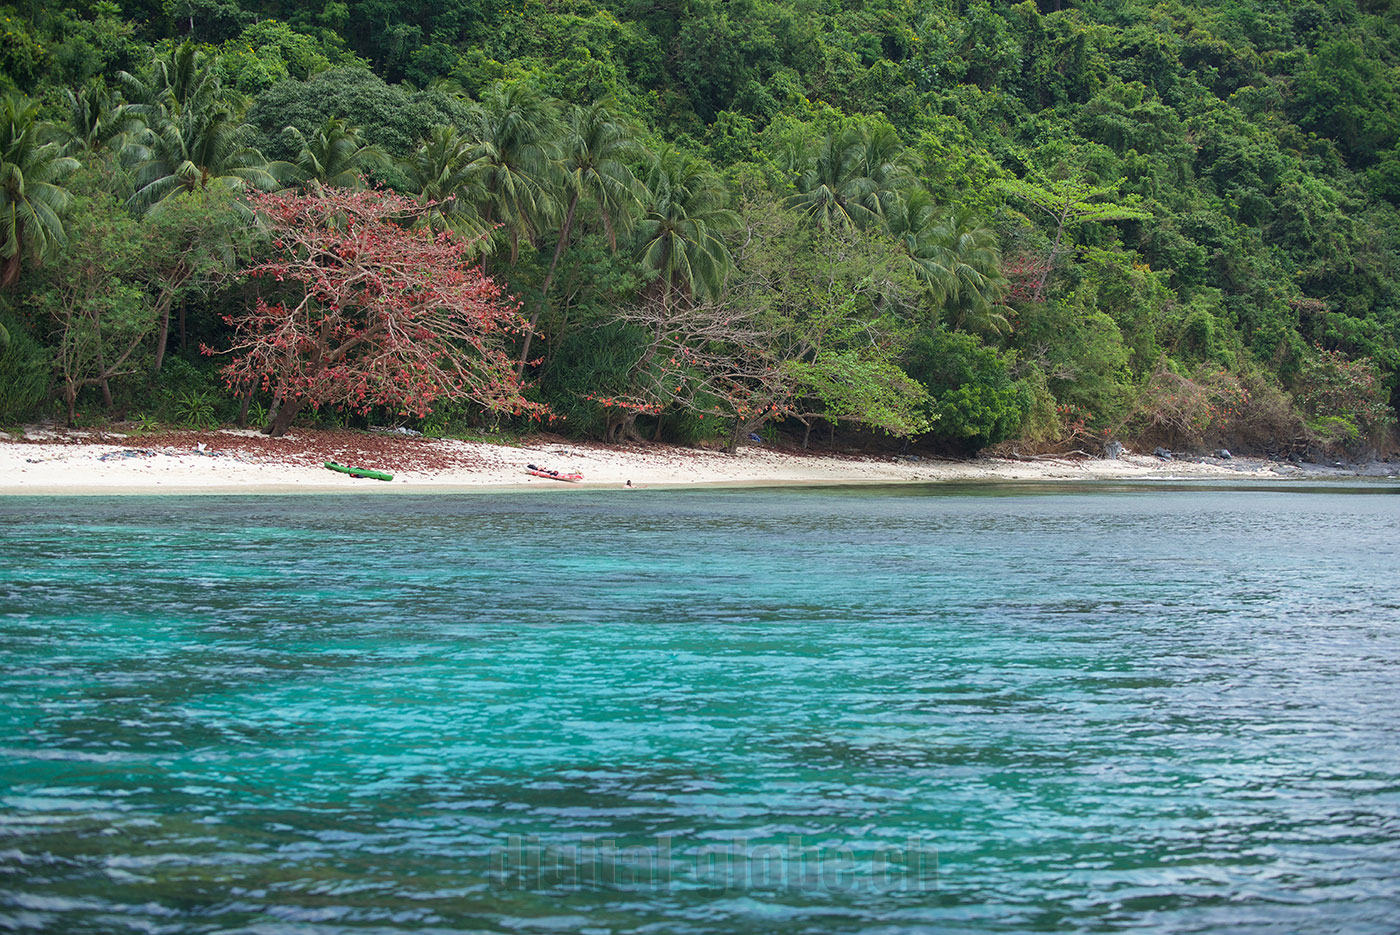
column 878, row 710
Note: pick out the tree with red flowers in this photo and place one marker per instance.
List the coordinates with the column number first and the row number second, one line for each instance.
column 358, row 308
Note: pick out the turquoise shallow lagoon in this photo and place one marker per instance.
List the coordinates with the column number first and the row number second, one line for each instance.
column 875, row 710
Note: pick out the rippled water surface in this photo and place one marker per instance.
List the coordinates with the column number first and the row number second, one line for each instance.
column 880, row 710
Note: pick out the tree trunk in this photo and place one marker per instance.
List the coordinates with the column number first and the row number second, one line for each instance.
column 10, row 274
column 70, row 396
column 184, row 342
column 806, row 433
column 243, row 410
column 102, row 373
column 733, row 446
column 162, row 340
column 548, row 280
column 625, row 429
column 1054, row 250
column 286, row 413
column 607, row 224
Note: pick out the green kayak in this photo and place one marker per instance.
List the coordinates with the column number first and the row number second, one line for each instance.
column 359, row 472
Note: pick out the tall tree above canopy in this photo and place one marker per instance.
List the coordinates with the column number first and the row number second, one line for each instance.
column 679, row 238
column 195, row 137
column 32, row 198
column 598, row 147
column 517, row 133
column 359, row 308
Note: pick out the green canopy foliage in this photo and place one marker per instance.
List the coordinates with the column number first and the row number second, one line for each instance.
column 1085, row 202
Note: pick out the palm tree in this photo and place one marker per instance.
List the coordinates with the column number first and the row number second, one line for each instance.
column 597, row 149
column 198, row 150
column 882, row 158
column 963, row 262
column 829, row 191
column 442, row 171
column 178, row 79
column 335, row 156
column 679, row 237
column 195, row 138
column 910, row 218
column 97, row 120
column 32, row 200
column 516, row 130
column 852, row 178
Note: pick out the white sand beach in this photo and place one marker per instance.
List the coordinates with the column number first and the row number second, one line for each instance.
column 232, row 461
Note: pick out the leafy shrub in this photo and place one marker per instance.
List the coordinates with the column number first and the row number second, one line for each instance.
column 24, row 373
column 1185, row 411
column 1042, row 421
column 1331, row 385
column 1266, row 417
column 974, row 402
column 1335, row 431
column 195, row 409
column 181, row 383
column 590, row 361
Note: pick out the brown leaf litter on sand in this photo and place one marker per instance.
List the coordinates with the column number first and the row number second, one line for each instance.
column 311, row 448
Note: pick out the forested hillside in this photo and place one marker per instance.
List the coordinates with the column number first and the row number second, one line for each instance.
column 962, row 223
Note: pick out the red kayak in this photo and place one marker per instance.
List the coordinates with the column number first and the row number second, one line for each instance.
column 554, row 475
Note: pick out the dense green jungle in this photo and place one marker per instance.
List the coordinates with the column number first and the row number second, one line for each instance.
column 961, row 225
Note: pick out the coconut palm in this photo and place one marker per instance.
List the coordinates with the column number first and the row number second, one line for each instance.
column 851, row 178
column 197, row 149
column 334, row 156
column 195, row 137
column 679, row 236
column 32, row 200
column 963, row 266
column 910, row 218
column 597, row 150
column 97, row 120
column 182, row 77
column 516, row 130
column 881, row 157
column 442, row 171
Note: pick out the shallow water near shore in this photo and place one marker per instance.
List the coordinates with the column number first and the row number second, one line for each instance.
column 985, row 708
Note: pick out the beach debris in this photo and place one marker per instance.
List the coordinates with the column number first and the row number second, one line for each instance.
column 1162, row 453
column 1113, row 450
column 396, row 430
column 126, row 453
column 755, row 437
column 1223, row 454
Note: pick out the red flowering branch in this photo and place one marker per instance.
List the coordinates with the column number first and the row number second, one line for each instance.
column 360, row 309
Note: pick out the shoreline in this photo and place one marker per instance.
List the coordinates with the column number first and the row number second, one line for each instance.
column 231, row 461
